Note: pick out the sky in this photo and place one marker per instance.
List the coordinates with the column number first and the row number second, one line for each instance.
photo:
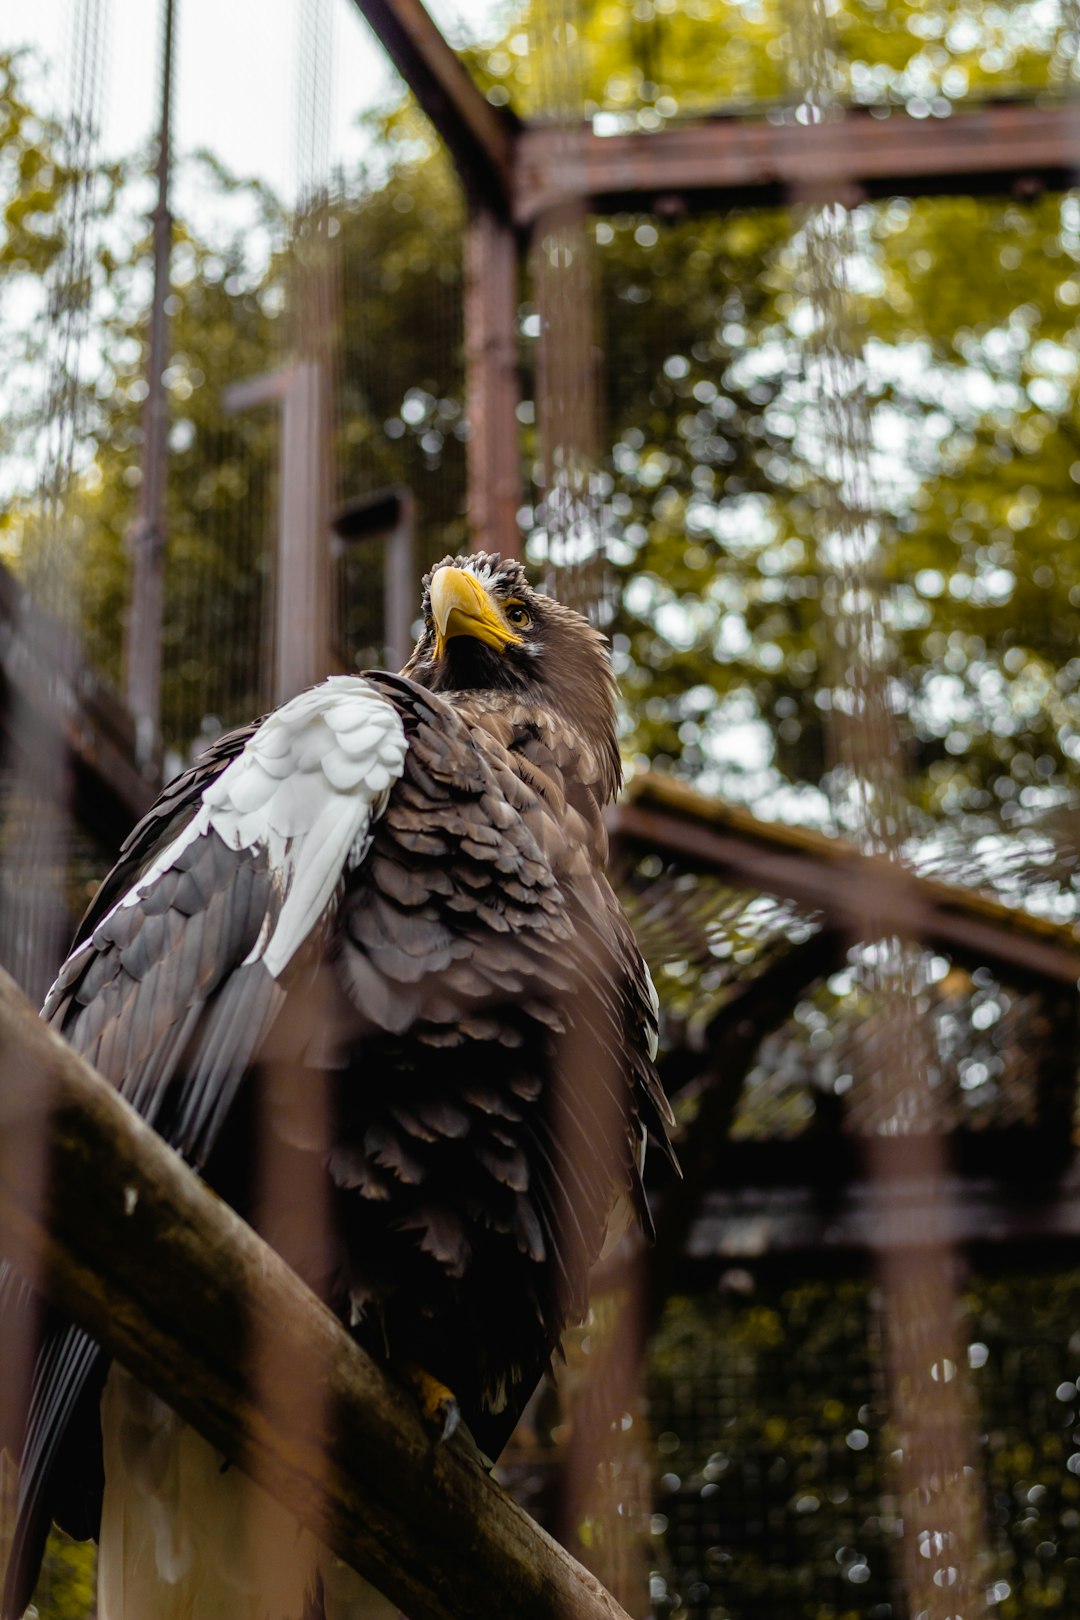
column 237, row 91
column 236, row 83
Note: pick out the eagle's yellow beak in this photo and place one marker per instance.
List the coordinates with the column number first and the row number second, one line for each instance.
column 460, row 606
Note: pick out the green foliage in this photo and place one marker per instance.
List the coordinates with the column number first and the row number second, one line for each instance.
column 33, row 183
column 643, row 62
column 223, row 321
column 67, row 1587
column 402, row 409
column 42, row 191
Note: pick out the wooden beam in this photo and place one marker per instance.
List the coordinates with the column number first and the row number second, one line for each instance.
column 480, row 137
column 492, row 390
column 852, row 1217
column 301, row 586
column 46, row 690
column 753, row 162
column 831, row 876
column 130, row 1244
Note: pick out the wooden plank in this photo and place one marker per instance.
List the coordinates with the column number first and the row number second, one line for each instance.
column 480, row 137
column 129, row 1243
column 757, row 162
column 492, row 390
column 830, row 876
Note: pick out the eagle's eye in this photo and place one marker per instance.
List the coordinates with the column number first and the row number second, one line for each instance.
column 518, row 616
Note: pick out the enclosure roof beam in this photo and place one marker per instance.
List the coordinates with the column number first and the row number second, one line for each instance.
column 126, row 1241
column 832, row 877
column 725, row 161
column 480, row 137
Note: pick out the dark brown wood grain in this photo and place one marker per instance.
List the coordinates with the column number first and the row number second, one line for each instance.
column 480, row 137
column 128, row 1242
column 698, row 163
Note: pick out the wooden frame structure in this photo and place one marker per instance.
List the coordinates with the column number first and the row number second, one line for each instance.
column 518, row 176
column 773, row 1199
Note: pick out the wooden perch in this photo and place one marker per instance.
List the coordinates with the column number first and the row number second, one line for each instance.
column 129, row 1243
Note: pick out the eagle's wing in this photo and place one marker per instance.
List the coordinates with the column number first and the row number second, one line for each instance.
column 181, row 969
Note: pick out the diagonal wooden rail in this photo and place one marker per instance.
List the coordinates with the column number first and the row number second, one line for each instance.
column 130, row 1244
column 661, row 815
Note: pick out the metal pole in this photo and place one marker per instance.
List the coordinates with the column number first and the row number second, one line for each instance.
column 148, row 530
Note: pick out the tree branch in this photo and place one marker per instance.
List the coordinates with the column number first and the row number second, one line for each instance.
column 126, row 1240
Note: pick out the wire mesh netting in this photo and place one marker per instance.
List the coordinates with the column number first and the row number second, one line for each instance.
column 775, row 1478
column 821, row 489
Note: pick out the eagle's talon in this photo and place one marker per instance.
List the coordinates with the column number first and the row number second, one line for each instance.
column 439, row 1408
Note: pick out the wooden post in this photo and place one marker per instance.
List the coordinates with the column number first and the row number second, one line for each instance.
column 491, row 382
column 388, row 517
column 301, row 611
column 128, row 1242
column 301, row 595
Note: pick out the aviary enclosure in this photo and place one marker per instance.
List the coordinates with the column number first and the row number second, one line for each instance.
column 752, row 326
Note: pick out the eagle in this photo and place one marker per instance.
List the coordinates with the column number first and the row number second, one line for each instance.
column 362, row 968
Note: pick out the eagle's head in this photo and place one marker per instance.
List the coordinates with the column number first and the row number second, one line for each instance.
column 487, row 631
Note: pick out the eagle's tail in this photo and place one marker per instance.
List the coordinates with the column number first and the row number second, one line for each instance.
column 58, row 1470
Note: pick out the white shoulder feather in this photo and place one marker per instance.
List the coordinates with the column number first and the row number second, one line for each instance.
column 307, row 788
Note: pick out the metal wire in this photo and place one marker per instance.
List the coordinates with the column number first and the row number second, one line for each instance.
column 36, row 831
column 942, row 1556
column 570, row 511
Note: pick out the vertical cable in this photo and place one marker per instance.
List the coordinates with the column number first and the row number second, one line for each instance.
column 941, row 1557
column 148, row 532
column 33, row 917
column 570, row 510
column 36, row 830
column 291, row 1206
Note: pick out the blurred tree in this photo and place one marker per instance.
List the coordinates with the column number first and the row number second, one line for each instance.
column 643, row 62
